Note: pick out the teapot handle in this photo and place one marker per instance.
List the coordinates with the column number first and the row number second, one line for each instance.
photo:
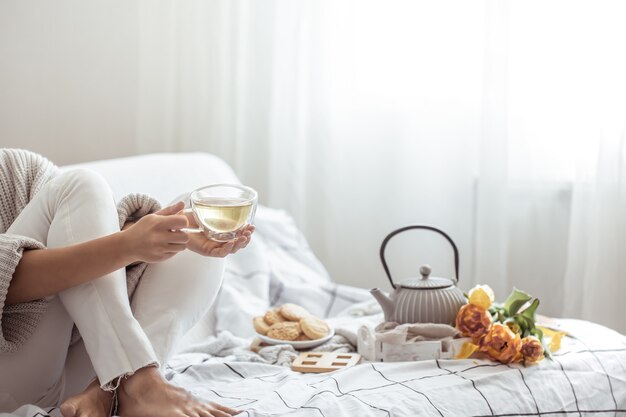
column 403, row 229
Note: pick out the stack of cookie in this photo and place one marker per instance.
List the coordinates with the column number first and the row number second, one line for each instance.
column 290, row 322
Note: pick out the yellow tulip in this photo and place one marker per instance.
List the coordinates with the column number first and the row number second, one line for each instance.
column 555, row 338
column 466, row 351
column 481, row 296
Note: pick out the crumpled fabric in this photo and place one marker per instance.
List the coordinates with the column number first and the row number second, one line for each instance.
column 398, row 334
column 237, row 349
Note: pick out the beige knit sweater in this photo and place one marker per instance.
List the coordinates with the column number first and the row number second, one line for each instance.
column 22, row 174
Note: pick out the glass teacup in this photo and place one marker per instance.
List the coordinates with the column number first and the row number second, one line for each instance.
column 222, row 210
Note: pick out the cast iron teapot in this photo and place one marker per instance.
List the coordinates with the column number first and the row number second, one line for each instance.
column 421, row 300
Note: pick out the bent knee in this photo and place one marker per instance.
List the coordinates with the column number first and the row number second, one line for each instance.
column 85, row 182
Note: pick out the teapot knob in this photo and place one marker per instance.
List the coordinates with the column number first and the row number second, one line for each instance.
column 425, row 271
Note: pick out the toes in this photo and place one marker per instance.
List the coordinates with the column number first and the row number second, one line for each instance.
column 68, row 410
column 207, row 412
column 229, row 411
column 218, row 413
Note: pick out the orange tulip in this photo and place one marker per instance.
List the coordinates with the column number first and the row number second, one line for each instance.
column 531, row 349
column 501, row 344
column 473, row 321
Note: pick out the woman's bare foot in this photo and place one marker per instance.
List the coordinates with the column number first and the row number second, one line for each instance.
column 92, row 402
column 147, row 393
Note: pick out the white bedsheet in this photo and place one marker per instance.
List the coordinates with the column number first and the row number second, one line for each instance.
column 587, row 377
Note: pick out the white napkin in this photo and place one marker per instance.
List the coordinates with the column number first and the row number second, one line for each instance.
column 398, row 334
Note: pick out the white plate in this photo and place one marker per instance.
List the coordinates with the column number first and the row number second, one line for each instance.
column 304, row 344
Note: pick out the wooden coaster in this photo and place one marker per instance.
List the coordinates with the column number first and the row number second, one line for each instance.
column 324, row 361
column 257, row 344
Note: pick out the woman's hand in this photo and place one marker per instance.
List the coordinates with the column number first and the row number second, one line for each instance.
column 157, row 237
column 206, row 247
column 200, row 244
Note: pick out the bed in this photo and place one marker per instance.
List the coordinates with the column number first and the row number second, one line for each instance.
column 587, row 377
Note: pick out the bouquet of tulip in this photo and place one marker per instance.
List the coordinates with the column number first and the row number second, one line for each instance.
column 504, row 332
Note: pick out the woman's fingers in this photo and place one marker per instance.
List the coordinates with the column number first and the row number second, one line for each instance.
column 174, row 222
column 173, row 209
column 223, row 250
column 191, row 219
column 173, row 218
column 244, row 239
column 229, row 247
column 241, row 243
column 200, row 244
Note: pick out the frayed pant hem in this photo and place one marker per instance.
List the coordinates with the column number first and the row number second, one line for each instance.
column 114, row 384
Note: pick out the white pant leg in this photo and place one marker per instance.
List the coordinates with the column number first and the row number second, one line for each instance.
column 75, row 207
column 114, row 340
column 183, row 288
column 33, row 374
column 173, row 295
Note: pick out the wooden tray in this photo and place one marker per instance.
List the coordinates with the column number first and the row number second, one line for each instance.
column 310, row 362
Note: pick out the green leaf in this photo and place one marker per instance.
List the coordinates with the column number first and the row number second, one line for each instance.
column 494, row 308
column 523, row 322
column 530, row 311
column 515, row 301
column 528, row 322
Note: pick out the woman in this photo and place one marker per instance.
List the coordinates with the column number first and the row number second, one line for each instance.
column 70, row 260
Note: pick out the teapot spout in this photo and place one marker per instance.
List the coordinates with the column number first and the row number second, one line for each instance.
column 385, row 302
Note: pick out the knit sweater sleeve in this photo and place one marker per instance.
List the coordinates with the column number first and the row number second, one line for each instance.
column 22, row 174
column 18, row 321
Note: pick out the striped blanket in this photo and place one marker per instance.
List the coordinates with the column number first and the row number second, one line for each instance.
column 587, row 377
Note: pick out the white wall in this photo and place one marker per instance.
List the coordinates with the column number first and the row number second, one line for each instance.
column 69, row 87
column 68, row 78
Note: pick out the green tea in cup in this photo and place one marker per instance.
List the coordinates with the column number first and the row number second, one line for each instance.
column 223, row 210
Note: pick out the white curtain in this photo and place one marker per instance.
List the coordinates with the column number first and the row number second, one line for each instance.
column 500, row 122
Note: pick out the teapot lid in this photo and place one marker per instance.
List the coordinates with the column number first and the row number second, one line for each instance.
column 426, row 282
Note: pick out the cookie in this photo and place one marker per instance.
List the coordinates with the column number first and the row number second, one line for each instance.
column 302, row 338
column 293, row 312
column 260, row 325
column 313, row 327
column 287, row 330
column 273, row 317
